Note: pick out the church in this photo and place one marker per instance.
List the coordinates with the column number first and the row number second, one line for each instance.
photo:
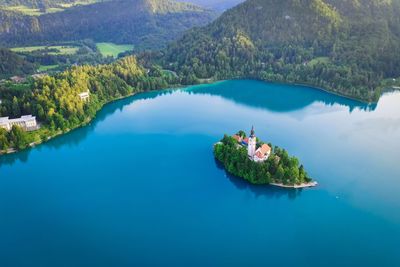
column 259, row 154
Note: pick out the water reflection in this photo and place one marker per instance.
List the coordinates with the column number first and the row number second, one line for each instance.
column 150, row 162
column 71, row 139
column 276, row 97
column 260, row 190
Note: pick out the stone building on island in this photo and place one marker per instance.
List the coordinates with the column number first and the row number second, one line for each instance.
column 259, row 154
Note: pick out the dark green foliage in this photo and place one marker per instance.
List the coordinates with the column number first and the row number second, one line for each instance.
column 87, row 54
column 17, row 138
column 55, row 100
column 143, row 23
column 347, row 47
column 278, row 168
column 12, row 64
column 4, row 143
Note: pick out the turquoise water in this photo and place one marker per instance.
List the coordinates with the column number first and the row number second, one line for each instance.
column 140, row 186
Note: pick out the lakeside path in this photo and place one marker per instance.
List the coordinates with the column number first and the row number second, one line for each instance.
column 296, row 186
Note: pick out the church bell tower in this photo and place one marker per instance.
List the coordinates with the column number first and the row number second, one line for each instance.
column 251, row 147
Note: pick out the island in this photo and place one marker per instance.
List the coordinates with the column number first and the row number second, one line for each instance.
column 259, row 163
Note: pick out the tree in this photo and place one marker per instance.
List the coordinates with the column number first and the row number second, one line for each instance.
column 234, row 157
column 16, row 111
column 280, row 172
column 18, row 137
column 4, row 144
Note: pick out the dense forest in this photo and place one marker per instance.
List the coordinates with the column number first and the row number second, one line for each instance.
column 86, row 53
column 348, row 47
column 12, row 64
column 55, row 100
column 143, row 23
column 49, row 59
column 278, row 168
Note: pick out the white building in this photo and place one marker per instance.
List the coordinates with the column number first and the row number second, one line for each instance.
column 84, row 96
column 27, row 122
column 260, row 154
column 18, row 79
column 251, row 145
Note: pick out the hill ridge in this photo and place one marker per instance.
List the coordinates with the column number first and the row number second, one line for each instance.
column 339, row 45
column 146, row 23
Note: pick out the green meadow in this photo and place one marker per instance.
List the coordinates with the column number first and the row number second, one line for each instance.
column 58, row 49
column 31, row 11
column 111, row 49
column 44, row 68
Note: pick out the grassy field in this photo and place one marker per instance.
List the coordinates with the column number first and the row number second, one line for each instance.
column 44, row 68
column 31, row 11
column 110, row 49
column 19, row 86
column 37, row 12
column 78, row 3
column 62, row 50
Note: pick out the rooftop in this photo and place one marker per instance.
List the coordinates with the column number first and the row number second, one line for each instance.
column 3, row 119
column 265, row 149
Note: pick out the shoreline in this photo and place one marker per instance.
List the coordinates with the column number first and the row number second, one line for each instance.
column 313, row 87
column 84, row 123
column 237, row 172
column 176, row 87
column 296, row 186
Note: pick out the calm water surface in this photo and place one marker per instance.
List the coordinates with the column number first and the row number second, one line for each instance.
column 140, row 186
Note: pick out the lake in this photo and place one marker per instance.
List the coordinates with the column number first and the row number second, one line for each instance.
column 139, row 186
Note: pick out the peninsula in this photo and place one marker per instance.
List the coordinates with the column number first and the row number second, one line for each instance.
column 257, row 163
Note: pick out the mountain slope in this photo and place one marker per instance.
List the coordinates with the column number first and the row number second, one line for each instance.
column 347, row 47
column 145, row 23
column 12, row 64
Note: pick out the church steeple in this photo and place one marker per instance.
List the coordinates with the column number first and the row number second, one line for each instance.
column 251, row 146
column 252, row 134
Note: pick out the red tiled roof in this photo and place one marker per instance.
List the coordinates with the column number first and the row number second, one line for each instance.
column 246, row 139
column 259, row 155
column 265, row 149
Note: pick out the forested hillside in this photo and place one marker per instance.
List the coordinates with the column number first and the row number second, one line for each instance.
column 348, row 47
column 143, row 23
column 12, row 64
column 55, row 101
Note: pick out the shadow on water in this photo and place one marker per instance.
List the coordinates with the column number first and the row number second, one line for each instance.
column 276, row 97
column 76, row 136
column 267, row 191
